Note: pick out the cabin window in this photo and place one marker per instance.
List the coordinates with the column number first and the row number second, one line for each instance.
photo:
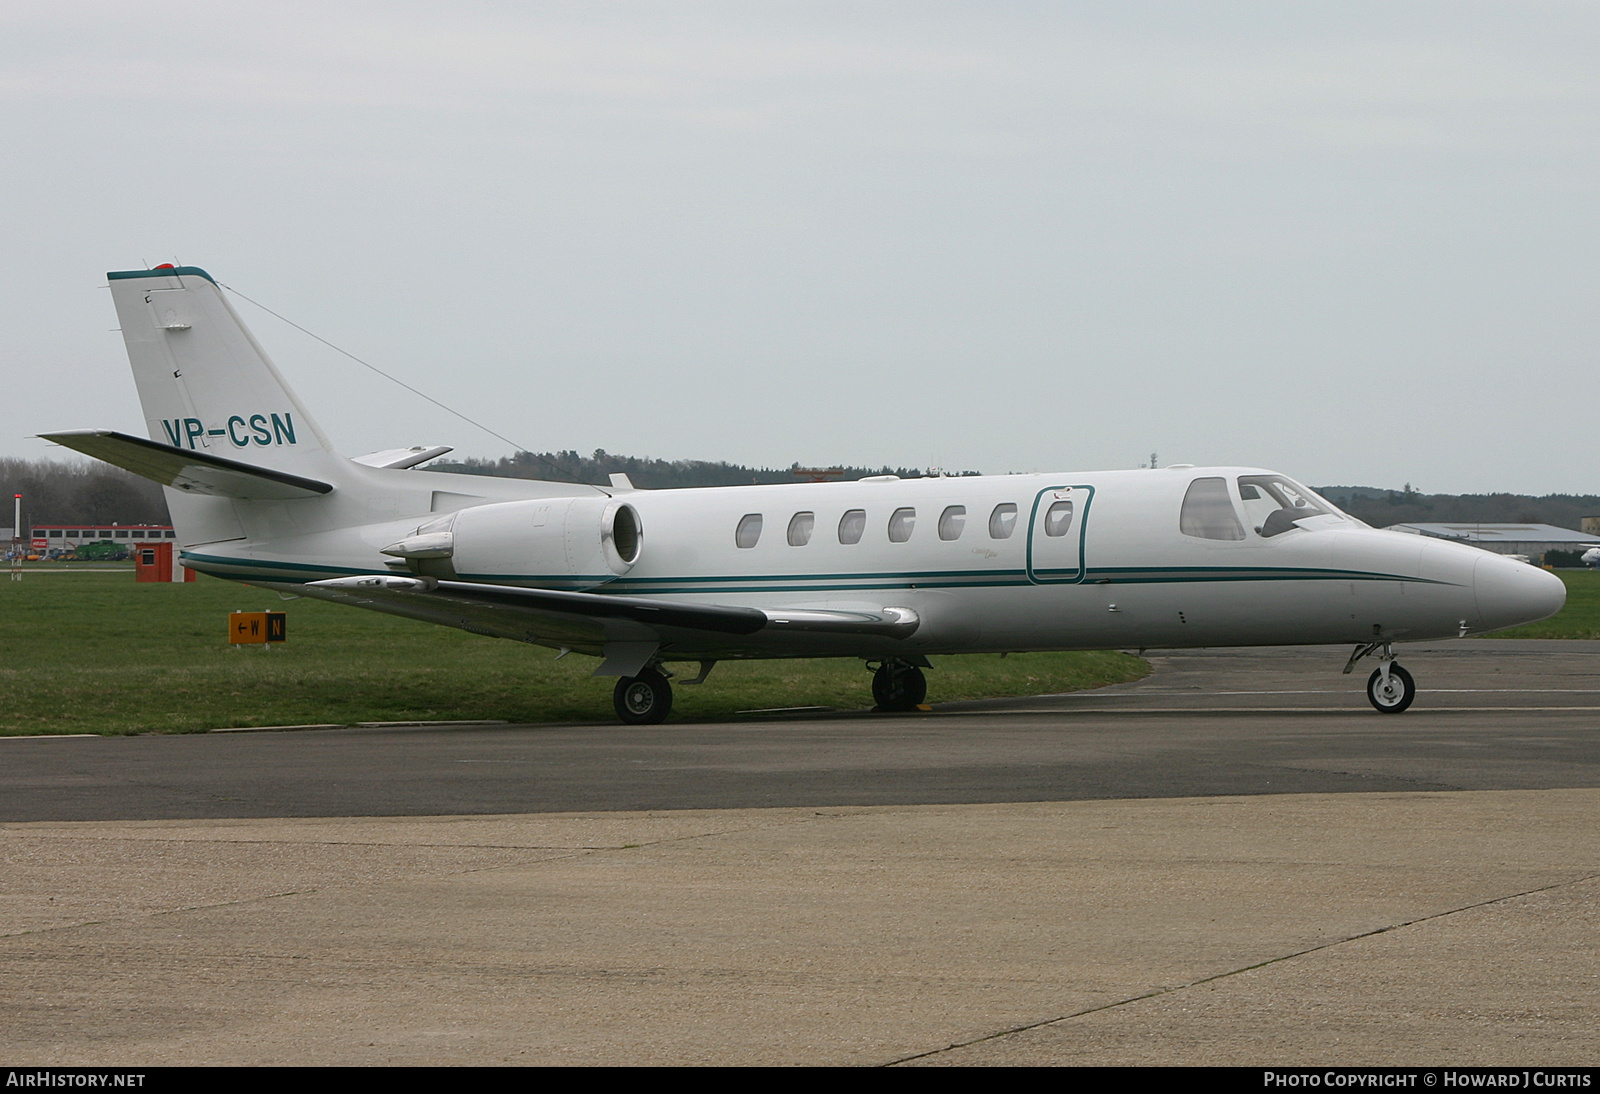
column 800, row 526
column 951, row 521
column 1058, row 518
column 852, row 525
column 900, row 525
column 1208, row 512
column 1003, row 521
column 749, row 530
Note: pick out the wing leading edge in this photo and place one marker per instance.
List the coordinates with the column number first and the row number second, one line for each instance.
column 628, row 631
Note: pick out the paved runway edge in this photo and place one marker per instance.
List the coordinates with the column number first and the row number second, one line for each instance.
column 1402, row 928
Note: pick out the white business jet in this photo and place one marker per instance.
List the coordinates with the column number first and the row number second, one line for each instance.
column 888, row 570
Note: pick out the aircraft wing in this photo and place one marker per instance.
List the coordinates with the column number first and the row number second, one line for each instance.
column 626, row 630
column 195, row 472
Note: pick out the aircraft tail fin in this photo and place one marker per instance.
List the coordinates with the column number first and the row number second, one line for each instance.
column 206, row 385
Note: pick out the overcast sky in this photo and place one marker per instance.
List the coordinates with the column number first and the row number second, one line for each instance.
column 1353, row 242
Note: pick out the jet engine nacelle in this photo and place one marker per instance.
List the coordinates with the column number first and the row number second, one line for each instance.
column 570, row 543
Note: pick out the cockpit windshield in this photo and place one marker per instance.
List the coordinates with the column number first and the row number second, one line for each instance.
column 1274, row 505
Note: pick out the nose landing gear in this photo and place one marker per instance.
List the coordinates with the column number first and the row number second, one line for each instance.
column 1391, row 691
column 1390, row 688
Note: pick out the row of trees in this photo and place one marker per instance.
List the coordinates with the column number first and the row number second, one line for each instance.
column 1409, row 506
column 80, row 492
column 647, row 473
column 75, row 492
column 1376, row 506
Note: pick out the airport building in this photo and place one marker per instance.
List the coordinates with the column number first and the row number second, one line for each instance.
column 69, row 537
column 1528, row 540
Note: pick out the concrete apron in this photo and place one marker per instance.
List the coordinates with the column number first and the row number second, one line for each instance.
column 1438, row 928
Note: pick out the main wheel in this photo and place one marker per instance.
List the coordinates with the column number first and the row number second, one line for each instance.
column 643, row 700
column 1396, row 695
column 899, row 687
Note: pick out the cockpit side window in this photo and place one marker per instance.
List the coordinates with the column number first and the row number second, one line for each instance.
column 1272, row 503
column 1208, row 511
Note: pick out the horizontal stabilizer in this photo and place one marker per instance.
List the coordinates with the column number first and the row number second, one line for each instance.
column 194, row 472
column 400, row 458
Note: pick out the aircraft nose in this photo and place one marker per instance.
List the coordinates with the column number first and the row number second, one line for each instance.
column 1511, row 593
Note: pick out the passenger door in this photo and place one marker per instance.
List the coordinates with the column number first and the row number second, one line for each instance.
column 1056, row 529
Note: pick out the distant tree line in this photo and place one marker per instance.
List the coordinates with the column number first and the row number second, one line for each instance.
column 73, row 492
column 1377, row 506
column 1380, row 508
column 647, row 473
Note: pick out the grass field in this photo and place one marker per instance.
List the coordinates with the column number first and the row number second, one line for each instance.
column 1579, row 619
column 95, row 652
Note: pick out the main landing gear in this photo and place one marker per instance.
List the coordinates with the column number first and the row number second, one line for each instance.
column 1390, row 688
column 643, row 700
column 897, row 685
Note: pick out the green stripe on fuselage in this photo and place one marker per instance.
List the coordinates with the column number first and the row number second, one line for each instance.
column 830, row 583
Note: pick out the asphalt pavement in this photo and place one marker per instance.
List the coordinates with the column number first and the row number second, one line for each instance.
column 1233, row 861
column 1489, row 715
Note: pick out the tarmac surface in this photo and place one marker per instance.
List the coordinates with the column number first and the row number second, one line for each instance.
column 1233, row 861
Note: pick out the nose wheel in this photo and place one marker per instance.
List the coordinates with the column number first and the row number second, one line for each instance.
column 1391, row 691
column 898, row 686
column 643, row 700
column 1390, row 688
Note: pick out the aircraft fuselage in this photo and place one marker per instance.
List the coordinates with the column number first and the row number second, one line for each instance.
column 1121, row 575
